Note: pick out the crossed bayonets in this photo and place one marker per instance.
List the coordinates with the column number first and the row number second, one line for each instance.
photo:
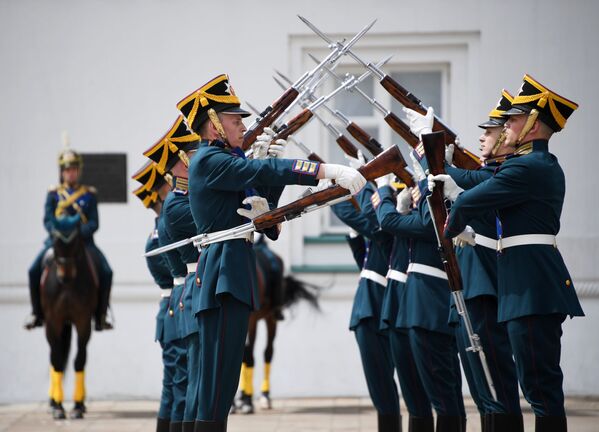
column 302, row 93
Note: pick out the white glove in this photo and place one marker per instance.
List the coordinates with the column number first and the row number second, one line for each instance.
column 404, row 201
column 323, row 184
column 449, row 153
column 450, row 189
column 384, row 180
column 418, row 171
column 263, row 143
column 355, row 163
column 345, row 177
column 466, row 237
column 258, row 205
column 420, row 124
column 352, row 233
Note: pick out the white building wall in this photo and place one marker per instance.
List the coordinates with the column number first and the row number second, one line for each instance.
column 112, row 72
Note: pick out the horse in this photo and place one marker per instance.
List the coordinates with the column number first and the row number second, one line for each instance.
column 69, row 293
column 269, row 269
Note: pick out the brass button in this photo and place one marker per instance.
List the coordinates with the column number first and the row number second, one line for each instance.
column 568, row 283
column 198, row 282
column 171, row 312
column 181, row 305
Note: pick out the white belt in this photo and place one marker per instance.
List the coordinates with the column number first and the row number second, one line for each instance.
column 166, row 293
column 179, row 280
column 374, row 276
column 427, row 270
column 527, row 239
column 191, row 267
column 397, row 276
column 487, row 242
column 248, row 236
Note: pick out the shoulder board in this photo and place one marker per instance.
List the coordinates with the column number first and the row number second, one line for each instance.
column 53, row 188
column 92, row 189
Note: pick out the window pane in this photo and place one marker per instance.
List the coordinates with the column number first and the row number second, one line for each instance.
column 426, row 86
column 352, row 104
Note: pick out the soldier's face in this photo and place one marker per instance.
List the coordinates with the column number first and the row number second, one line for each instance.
column 487, row 141
column 513, row 127
column 70, row 175
column 234, row 129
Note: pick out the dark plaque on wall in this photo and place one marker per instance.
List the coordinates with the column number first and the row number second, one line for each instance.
column 107, row 172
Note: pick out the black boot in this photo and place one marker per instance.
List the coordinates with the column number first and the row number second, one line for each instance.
column 485, row 421
column 389, row 422
column 175, row 427
column 210, row 426
column 450, row 424
column 188, row 426
column 162, row 425
column 421, row 424
column 551, row 424
column 498, row 422
column 33, row 321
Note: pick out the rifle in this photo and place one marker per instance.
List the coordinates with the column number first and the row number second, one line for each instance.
column 273, row 111
column 434, row 149
column 462, row 157
column 379, row 166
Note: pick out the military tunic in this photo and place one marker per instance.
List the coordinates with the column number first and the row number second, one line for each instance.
column 218, row 181
column 535, row 291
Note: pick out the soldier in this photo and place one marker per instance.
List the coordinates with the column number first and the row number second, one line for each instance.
column 218, row 179
column 77, row 203
column 152, row 193
column 535, row 291
column 371, row 256
column 478, row 265
column 179, row 144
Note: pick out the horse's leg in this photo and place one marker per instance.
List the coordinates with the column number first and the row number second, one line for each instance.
column 271, row 328
column 57, row 353
column 83, row 335
column 247, row 368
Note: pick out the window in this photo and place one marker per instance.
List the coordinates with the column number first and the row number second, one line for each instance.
column 107, row 172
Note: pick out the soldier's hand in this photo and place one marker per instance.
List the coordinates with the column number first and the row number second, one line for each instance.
column 355, row 163
column 420, row 124
column 466, row 237
column 276, row 149
column 323, row 184
column 345, row 177
column 262, row 143
column 404, row 201
column 258, row 206
column 450, row 189
column 419, row 174
column 384, row 180
column 449, row 153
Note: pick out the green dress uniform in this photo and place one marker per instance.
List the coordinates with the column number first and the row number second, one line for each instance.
column 427, row 298
column 478, row 266
column 394, row 308
column 179, row 225
column 173, row 333
column 373, row 342
column 227, row 291
column 535, row 291
column 162, row 277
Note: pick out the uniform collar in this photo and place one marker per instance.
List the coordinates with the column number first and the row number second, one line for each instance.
column 541, row 145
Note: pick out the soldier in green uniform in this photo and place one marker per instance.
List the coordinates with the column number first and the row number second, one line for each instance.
column 179, row 144
column 72, row 203
column 152, row 192
column 219, row 176
column 535, row 290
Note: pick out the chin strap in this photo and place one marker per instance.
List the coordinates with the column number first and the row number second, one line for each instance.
column 184, row 158
column 218, row 125
column 530, row 121
column 498, row 143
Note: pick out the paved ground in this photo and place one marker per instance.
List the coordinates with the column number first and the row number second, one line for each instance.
column 289, row 415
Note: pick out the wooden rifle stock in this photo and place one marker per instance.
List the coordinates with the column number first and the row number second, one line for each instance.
column 462, row 158
column 268, row 116
column 371, row 144
column 399, row 126
column 379, row 166
column 434, row 149
column 347, row 146
column 293, row 125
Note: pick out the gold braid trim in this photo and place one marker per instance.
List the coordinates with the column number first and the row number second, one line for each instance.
column 217, row 124
column 499, row 142
column 530, row 121
column 70, row 200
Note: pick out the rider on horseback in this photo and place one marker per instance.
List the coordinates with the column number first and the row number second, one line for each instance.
column 71, row 203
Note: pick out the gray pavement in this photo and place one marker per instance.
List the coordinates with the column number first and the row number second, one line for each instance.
column 289, row 415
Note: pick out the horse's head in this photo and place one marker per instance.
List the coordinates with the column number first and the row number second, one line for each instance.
column 66, row 244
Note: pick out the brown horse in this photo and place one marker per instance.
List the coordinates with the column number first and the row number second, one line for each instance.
column 271, row 282
column 69, row 292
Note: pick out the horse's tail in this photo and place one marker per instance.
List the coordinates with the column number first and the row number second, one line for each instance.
column 296, row 290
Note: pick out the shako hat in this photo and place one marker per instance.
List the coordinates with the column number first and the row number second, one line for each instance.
column 497, row 114
column 166, row 150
